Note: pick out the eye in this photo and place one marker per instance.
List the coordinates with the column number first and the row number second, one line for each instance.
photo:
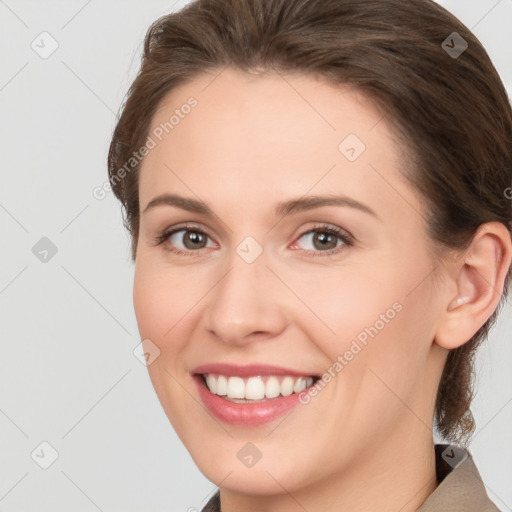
column 189, row 240
column 326, row 240
column 183, row 240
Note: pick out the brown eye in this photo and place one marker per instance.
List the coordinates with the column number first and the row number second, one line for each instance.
column 184, row 241
column 324, row 239
column 190, row 239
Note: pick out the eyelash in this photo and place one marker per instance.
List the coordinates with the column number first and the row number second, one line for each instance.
column 344, row 236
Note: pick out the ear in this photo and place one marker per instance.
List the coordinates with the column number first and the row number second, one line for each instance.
column 479, row 278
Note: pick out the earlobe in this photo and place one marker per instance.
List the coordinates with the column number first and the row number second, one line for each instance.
column 479, row 276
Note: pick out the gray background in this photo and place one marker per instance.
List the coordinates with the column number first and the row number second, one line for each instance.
column 68, row 373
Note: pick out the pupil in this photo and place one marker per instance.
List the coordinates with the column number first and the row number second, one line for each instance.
column 193, row 237
column 324, row 237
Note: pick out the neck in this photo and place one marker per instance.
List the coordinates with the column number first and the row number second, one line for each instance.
column 399, row 476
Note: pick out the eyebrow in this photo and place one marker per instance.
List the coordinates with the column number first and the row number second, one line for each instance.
column 282, row 209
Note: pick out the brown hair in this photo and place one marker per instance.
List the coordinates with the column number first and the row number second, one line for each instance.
column 451, row 111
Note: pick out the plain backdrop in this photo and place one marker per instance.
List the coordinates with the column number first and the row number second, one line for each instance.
column 73, row 396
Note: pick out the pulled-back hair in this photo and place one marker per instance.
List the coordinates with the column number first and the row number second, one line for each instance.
column 447, row 103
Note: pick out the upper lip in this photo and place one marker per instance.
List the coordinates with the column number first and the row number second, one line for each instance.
column 248, row 370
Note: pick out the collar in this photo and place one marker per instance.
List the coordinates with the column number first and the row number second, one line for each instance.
column 460, row 486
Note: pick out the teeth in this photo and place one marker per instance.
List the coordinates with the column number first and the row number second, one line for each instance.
column 222, row 385
column 272, row 387
column 300, row 384
column 236, row 387
column 256, row 388
column 212, row 383
column 287, row 386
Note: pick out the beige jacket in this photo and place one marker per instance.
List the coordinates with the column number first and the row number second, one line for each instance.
column 460, row 488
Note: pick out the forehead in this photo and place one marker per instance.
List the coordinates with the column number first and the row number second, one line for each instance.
column 232, row 131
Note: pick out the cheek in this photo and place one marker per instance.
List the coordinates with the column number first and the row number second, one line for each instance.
column 158, row 310
column 150, row 302
column 162, row 312
column 377, row 313
column 162, row 299
column 394, row 324
column 343, row 302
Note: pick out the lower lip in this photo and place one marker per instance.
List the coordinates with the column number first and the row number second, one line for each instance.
column 246, row 414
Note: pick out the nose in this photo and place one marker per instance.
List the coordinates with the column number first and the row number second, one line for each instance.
column 247, row 304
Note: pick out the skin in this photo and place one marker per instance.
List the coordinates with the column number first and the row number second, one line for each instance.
column 251, row 142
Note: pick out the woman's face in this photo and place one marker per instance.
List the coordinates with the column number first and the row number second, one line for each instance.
column 245, row 280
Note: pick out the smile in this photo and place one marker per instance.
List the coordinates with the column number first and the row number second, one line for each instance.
column 248, row 389
column 250, row 395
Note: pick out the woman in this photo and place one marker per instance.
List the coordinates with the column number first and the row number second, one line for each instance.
column 317, row 196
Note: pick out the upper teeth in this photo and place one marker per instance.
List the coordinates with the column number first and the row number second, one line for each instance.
column 255, row 388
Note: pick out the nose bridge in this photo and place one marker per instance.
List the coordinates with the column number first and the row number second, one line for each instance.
column 246, row 300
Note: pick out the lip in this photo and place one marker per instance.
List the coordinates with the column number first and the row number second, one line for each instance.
column 251, row 370
column 245, row 414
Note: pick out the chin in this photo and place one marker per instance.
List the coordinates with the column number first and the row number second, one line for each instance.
column 221, row 465
column 263, row 481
